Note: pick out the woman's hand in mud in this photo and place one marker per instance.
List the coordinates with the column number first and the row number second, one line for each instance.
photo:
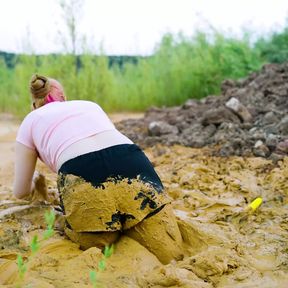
column 39, row 188
column 41, row 193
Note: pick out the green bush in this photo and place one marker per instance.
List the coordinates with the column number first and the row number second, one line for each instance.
column 180, row 68
column 274, row 49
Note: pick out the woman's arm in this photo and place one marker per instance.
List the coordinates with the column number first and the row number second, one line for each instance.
column 25, row 163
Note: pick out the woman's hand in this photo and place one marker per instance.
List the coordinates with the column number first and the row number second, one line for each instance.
column 28, row 183
column 41, row 192
column 39, row 188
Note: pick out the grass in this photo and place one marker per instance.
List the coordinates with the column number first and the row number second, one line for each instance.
column 93, row 275
column 180, row 68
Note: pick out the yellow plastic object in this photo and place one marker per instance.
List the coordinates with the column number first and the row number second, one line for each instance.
column 256, row 203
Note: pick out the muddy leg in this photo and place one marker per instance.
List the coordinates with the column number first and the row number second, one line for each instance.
column 160, row 235
column 92, row 239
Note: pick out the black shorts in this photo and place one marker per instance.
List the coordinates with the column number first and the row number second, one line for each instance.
column 116, row 162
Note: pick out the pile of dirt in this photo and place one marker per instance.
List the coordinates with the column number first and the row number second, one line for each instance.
column 248, row 118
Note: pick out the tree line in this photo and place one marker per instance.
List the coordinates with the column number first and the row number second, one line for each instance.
column 180, row 68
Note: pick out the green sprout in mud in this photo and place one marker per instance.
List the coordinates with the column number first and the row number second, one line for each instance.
column 22, row 267
column 50, row 220
column 108, row 251
column 35, row 245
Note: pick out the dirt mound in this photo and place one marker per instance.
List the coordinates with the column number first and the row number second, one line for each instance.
column 248, row 118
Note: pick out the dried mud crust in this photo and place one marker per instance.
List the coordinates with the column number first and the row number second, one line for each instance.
column 248, row 118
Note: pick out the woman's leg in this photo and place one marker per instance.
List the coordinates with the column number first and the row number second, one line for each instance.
column 87, row 240
column 160, row 235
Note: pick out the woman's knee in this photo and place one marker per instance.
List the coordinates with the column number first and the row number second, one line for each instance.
column 160, row 235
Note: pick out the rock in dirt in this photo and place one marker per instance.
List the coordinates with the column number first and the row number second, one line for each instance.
column 239, row 109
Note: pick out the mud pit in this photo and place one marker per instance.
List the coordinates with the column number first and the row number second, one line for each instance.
column 225, row 246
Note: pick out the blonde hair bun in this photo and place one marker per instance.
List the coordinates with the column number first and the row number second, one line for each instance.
column 39, row 86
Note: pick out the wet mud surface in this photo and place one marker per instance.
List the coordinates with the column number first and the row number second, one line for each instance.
column 225, row 245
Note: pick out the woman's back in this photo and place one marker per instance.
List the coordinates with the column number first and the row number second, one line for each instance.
column 52, row 128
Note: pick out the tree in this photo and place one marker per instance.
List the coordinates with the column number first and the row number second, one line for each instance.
column 72, row 13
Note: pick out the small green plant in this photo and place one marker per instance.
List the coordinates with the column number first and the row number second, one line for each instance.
column 22, row 268
column 50, row 220
column 108, row 251
column 93, row 278
column 35, row 245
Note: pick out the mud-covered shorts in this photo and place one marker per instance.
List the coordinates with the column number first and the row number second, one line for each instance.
column 110, row 190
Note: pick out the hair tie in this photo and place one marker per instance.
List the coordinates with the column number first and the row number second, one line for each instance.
column 49, row 99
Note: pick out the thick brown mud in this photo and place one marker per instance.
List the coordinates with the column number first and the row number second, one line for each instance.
column 226, row 245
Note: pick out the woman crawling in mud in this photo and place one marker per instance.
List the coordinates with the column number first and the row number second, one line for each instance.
column 107, row 185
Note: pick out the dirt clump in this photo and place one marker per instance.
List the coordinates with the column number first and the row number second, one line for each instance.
column 248, row 118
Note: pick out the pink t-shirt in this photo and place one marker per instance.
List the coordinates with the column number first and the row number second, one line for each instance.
column 53, row 127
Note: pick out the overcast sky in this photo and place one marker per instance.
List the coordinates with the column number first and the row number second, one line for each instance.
column 130, row 26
